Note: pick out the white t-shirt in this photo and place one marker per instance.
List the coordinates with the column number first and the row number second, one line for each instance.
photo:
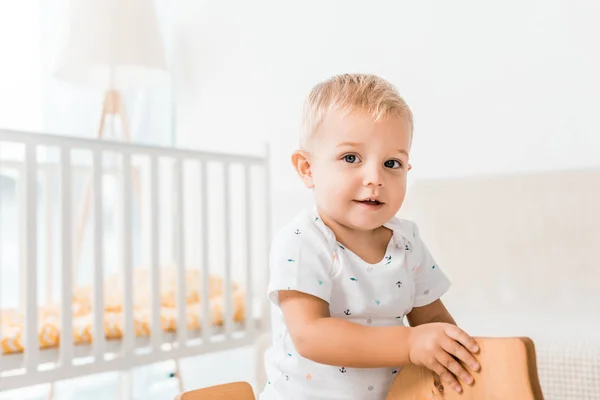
column 306, row 257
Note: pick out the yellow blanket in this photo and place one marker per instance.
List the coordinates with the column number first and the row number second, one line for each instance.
column 12, row 340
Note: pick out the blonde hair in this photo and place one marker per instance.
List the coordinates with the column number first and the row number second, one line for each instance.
column 349, row 93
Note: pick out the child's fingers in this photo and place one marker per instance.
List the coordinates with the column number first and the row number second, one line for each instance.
column 462, row 337
column 446, row 376
column 455, row 367
column 457, row 350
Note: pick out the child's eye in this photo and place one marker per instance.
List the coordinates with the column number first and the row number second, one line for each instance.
column 351, row 158
column 393, row 164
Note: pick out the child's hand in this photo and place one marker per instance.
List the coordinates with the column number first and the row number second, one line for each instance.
column 438, row 346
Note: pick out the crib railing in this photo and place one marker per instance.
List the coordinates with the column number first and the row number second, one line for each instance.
column 190, row 228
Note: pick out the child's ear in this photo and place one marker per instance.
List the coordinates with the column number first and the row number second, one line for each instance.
column 409, row 167
column 302, row 166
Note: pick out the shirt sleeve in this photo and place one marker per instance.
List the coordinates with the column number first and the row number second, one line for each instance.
column 430, row 281
column 300, row 260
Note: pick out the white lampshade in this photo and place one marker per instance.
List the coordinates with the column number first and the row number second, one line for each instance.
column 118, row 36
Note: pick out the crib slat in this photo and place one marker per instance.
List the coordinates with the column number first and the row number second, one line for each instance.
column 1, row 252
column 31, row 303
column 66, row 267
column 205, row 318
column 265, row 312
column 98, row 305
column 21, row 192
column 249, row 311
column 49, row 202
column 227, row 290
column 156, row 334
column 128, row 327
column 181, row 287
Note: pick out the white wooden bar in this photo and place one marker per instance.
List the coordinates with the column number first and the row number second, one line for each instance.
column 227, row 290
column 20, row 194
column 53, row 167
column 98, row 335
column 1, row 252
column 156, row 330
column 66, row 265
column 121, row 364
column 49, row 236
column 10, row 135
column 180, row 250
column 205, row 320
column 266, row 320
column 31, row 298
column 126, row 385
column 128, row 327
column 249, row 311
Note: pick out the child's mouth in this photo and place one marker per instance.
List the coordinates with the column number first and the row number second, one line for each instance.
column 370, row 203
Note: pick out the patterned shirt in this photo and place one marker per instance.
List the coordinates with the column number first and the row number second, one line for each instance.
column 306, row 257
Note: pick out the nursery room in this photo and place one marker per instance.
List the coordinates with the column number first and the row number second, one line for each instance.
column 152, row 163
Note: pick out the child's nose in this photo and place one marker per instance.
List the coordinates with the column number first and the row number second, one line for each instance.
column 373, row 177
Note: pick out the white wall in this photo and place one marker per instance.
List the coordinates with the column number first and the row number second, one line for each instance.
column 495, row 87
column 21, row 105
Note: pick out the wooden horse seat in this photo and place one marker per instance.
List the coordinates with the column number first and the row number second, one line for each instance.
column 508, row 372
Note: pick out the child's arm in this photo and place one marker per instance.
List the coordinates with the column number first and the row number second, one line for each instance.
column 334, row 341
column 433, row 312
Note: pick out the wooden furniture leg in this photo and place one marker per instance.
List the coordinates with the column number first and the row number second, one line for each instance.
column 508, row 371
column 178, row 374
column 51, row 391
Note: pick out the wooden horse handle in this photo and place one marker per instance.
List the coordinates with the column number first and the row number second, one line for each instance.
column 508, row 371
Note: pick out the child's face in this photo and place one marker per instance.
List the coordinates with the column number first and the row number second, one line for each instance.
column 353, row 160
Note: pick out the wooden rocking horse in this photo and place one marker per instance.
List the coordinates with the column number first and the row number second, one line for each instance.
column 508, row 372
column 227, row 391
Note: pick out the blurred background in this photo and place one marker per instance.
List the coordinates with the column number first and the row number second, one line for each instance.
column 495, row 88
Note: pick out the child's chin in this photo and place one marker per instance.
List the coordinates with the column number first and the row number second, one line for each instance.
column 364, row 223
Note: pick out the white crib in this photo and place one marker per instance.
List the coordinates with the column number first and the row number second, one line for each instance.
column 203, row 214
